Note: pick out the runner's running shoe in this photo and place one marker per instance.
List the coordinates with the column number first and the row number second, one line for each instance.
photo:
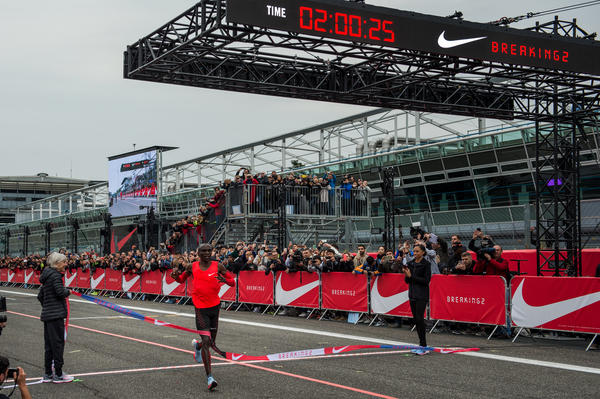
column 47, row 378
column 420, row 352
column 197, row 350
column 212, row 384
column 62, row 379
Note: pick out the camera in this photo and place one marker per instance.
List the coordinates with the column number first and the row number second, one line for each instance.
column 486, row 250
column 416, row 231
column 297, row 257
column 12, row 373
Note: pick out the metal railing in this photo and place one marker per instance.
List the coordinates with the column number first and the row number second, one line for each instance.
column 299, row 201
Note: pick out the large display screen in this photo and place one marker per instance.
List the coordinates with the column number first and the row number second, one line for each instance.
column 132, row 183
column 359, row 22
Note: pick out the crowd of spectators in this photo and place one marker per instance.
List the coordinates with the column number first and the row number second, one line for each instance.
column 325, row 257
column 304, row 194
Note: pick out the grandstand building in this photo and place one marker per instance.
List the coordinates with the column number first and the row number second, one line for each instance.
column 451, row 175
column 19, row 191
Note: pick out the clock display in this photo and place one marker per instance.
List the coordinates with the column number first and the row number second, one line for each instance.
column 354, row 22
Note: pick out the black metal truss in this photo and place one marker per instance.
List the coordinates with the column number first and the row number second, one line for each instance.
column 200, row 48
column 558, row 238
column 387, row 189
column 281, row 194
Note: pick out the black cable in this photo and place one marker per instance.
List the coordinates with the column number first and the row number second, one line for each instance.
column 507, row 20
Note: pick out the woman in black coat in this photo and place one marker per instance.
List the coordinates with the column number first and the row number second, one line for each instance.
column 418, row 275
column 53, row 297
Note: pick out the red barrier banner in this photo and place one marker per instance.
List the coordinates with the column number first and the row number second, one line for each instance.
column 70, row 279
column 3, row 275
column 556, row 303
column 297, row 289
column 345, row 291
column 36, row 278
column 255, row 287
column 171, row 287
column 389, row 295
column 83, row 279
column 131, row 282
column 227, row 293
column 113, row 280
column 470, row 299
column 28, row 278
column 19, row 276
column 152, row 282
column 98, row 279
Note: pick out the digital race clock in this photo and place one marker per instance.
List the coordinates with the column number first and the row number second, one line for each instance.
column 357, row 22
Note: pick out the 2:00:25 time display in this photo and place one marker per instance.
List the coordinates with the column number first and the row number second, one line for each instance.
column 347, row 25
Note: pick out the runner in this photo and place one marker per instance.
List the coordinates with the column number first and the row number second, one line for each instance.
column 207, row 276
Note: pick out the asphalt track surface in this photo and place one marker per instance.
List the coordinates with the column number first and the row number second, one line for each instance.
column 118, row 357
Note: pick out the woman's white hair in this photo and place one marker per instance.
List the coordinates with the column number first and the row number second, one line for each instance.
column 54, row 258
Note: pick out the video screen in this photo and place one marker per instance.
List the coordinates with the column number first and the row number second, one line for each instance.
column 132, row 184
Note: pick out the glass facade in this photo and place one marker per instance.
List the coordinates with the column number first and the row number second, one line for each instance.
column 477, row 172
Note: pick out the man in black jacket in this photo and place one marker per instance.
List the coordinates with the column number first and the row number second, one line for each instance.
column 53, row 296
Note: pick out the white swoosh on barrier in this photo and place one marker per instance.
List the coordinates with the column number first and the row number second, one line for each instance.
column 223, row 290
column 444, row 43
column 68, row 280
column 384, row 304
column 28, row 277
column 128, row 284
column 97, row 281
column 285, row 297
column 168, row 287
column 11, row 276
column 525, row 315
column 236, row 357
column 335, row 350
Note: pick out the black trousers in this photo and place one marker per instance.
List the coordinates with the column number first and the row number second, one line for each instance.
column 417, row 307
column 54, row 345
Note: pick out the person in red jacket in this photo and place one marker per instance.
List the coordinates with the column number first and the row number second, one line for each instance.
column 492, row 266
column 207, row 277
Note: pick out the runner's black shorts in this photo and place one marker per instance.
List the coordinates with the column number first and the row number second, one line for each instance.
column 207, row 319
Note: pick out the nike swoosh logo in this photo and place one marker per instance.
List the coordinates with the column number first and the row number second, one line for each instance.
column 69, row 280
column 28, row 277
column 10, row 276
column 128, row 284
column 285, row 297
column 525, row 315
column 336, row 350
column 236, row 357
column 223, row 290
column 168, row 287
column 96, row 281
column 384, row 304
column 161, row 323
column 444, row 43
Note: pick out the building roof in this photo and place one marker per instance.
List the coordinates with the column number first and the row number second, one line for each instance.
column 42, row 178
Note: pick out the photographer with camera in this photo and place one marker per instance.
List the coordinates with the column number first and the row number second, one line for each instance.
column 53, row 297
column 489, row 257
column 18, row 375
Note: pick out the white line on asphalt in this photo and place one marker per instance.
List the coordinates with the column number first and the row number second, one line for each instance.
column 37, row 380
column 481, row 355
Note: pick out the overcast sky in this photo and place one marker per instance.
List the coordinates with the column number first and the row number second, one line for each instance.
column 65, row 105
